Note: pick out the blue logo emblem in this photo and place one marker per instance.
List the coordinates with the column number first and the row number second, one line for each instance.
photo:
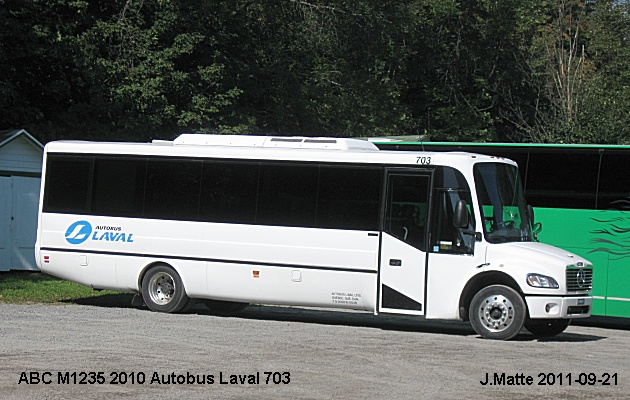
column 78, row 232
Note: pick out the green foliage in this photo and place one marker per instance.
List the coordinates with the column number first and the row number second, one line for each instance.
column 527, row 70
column 606, row 117
column 35, row 287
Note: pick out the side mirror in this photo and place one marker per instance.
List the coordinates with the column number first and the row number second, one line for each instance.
column 460, row 214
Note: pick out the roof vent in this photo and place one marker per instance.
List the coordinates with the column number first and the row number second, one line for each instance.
column 292, row 142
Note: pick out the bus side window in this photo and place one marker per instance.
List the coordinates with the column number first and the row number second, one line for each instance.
column 549, row 185
column 68, row 186
column 407, row 208
column 118, row 186
column 614, row 182
column 172, row 189
column 287, row 195
column 450, row 186
column 447, row 238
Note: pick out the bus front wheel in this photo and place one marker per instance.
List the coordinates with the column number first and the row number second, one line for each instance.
column 497, row 312
column 163, row 290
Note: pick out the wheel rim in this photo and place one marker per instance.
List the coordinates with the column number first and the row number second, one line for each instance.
column 496, row 313
column 161, row 288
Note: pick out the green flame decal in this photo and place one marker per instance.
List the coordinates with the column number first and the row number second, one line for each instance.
column 612, row 237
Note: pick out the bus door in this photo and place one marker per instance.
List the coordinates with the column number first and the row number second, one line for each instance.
column 403, row 255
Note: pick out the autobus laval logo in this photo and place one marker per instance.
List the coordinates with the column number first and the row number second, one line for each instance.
column 80, row 231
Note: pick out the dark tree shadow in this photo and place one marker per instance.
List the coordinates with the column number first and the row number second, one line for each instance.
column 336, row 317
column 121, row 300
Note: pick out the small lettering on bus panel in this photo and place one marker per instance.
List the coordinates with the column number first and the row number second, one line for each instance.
column 345, row 298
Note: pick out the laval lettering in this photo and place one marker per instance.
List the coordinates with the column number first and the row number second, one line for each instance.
column 111, row 234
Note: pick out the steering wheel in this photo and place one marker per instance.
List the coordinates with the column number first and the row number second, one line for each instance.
column 506, row 224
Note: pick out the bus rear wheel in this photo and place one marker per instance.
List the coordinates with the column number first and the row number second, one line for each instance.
column 497, row 312
column 163, row 290
column 543, row 328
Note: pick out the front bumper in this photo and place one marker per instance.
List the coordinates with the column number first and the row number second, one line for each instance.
column 559, row 307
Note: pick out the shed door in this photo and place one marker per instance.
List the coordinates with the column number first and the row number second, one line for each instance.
column 24, row 227
column 19, row 198
column 5, row 223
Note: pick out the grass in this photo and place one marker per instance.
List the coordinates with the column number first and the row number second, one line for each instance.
column 21, row 287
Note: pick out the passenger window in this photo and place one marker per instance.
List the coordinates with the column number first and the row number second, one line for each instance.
column 348, row 198
column 287, row 195
column 407, row 207
column 229, row 192
column 548, row 185
column 613, row 179
column 68, row 184
column 172, row 189
column 118, row 187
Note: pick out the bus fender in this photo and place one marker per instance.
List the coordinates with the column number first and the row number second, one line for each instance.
column 478, row 282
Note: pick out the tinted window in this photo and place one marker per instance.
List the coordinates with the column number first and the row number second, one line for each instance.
column 287, row 195
column 614, row 182
column 560, row 180
column 172, row 189
column 450, row 187
column 336, row 197
column 67, row 184
column 118, row 187
column 407, row 208
column 229, row 192
column 349, row 198
column 450, row 178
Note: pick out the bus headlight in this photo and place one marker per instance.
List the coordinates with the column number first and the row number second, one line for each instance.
column 542, row 281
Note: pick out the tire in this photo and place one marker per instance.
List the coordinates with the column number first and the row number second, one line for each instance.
column 163, row 290
column 544, row 328
column 224, row 307
column 497, row 312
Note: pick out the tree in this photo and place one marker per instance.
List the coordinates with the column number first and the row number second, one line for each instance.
column 573, row 61
column 156, row 67
column 526, row 70
column 321, row 67
column 37, row 81
column 606, row 116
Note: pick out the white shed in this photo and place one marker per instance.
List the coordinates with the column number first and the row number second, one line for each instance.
column 20, row 175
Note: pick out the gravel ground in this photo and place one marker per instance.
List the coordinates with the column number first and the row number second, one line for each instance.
column 49, row 351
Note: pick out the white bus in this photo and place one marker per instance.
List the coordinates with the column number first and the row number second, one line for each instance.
column 324, row 222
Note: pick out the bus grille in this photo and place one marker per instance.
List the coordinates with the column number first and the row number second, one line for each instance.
column 579, row 279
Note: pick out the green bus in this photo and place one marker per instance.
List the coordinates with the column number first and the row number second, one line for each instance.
column 581, row 198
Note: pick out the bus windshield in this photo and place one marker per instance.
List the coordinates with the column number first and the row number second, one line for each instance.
column 502, row 203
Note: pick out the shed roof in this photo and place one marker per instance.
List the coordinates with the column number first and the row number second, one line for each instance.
column 9, row 135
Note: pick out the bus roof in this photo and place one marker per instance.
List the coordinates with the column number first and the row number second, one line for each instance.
column 337, row 150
